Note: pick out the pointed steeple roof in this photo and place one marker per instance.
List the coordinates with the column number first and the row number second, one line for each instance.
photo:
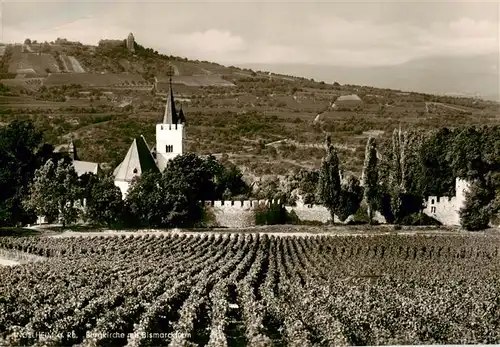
column 181, row 117
column 72, row 150
column 137, row 161
column 170, row 115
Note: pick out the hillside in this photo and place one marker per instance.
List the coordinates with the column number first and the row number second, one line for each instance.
column 468, row 76
column 103, row 96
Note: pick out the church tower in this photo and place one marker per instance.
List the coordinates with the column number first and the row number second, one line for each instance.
column 170, row 133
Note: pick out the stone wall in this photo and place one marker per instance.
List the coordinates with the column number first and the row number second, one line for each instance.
column 317, row 213
column 240, row 214
column 446, row 209
column 236, row 214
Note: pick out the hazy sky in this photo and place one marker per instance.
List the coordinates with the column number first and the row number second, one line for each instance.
column 236, row 32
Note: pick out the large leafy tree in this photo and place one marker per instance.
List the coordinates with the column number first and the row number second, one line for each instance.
column 437, row 177
column 208, row 178
column 329, row 187
column 104, row 205
column 55, row 192
column 229, row 183
column 20, row 143
column 163, row 200
column 466, row 154
column 351, row 195
column 370, row 178
column 196, row 172
column 477, row 212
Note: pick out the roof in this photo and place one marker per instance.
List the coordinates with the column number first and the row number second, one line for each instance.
column 69, row 148
column 170, row 115
column 83, row 167
column 137, row 161
column 352, row 97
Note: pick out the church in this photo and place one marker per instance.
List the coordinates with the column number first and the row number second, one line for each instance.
column 170, row 135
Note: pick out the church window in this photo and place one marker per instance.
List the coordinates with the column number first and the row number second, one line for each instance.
column 433, row 209
column 135, row 170
column 169, row 148
column 432, row 201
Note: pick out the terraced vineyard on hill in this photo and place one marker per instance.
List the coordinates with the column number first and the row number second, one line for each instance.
column 250, row 289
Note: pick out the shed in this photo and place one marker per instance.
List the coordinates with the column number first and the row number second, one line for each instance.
column 348, row 102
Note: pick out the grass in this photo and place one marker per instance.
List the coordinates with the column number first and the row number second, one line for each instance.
column 18, row 232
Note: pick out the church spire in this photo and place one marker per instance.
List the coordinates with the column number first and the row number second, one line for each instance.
column 181, row 117
column 170, row 115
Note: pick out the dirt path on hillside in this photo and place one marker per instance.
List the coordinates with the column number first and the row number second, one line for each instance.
column 77, row 67
column 443, row 105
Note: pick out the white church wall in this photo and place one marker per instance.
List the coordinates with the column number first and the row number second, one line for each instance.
column 124, row 186
column 168, row 135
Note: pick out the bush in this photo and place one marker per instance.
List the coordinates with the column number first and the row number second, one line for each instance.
column 419, row 219
column 361, row 215
column 207, row 219
column 270, row 215
column 475, row 215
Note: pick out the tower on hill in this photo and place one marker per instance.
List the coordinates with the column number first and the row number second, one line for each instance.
column 131, row 43
column 170, row 133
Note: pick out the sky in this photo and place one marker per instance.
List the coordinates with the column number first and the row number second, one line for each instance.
column 352, row 33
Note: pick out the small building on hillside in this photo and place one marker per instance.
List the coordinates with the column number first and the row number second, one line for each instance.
column 348, row 102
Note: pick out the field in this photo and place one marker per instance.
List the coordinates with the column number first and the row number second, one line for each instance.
column 237, row 289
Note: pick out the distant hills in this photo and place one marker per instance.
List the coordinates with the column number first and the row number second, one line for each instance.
column 446, row 75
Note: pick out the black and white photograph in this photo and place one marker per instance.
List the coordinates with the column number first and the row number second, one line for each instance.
column 249, row 173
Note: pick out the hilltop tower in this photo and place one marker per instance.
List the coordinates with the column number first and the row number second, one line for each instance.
column 170, row 133
column 131, row 43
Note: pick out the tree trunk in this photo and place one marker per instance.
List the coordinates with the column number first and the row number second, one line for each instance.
column 370, row 215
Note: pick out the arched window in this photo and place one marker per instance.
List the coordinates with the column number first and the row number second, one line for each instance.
column 169, row 148
column 135, row 170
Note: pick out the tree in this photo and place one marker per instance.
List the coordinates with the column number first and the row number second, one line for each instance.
column 466, row 154
column 163, row 200
column 351, row 195
column 370, row 178
column 55, row 192
column 329, row 179
column 229, row 183
column 437, row 177
column 104, row 204
column 198, row 173
column 20, row 155
column 476, row 212
column 27, row 41
column 42, row 192
column 396, row 188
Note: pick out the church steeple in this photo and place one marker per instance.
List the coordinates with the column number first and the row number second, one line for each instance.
column 181, row 117
column 170, row 115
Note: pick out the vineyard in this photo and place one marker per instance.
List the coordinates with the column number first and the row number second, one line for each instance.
column 251, row 289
